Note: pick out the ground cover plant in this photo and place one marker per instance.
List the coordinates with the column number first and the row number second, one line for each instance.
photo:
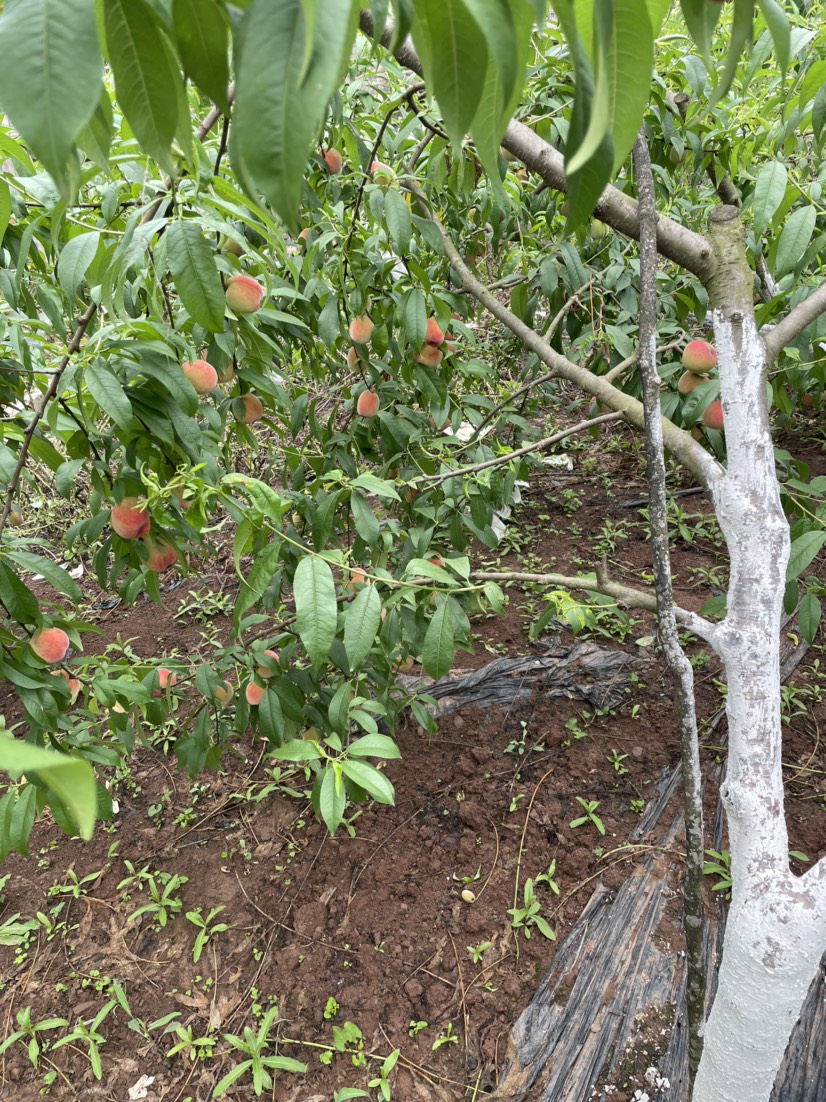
column 286, row 290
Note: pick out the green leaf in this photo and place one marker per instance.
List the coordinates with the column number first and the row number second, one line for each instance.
column 146, row 81
column 366, row 521
column 741, row 29
column 332, row 797
column 315, row 607
column 280, row 100
column 75, row 257
column 496, row 21
column 812, row 83
column 808, row 616
column 298, row 749
column 819, row 114
column 701, row 18
column 5, row 208
column 794, row 240
column 437, row 651
column 202, row 34
column 374, row 783
column 413, row 311
column 16, row 597
column 264, row 498
column 361, row 624
column 54, row 574
column 397, row 217
column 193, row 267
column 50, row 75
column 105, row 388
column 454, row 55
column 379, row 486
column 71, row 779
column 803, row 551
column 374, row 746
column 778, row 26
column 630, row 59
column 769, row 189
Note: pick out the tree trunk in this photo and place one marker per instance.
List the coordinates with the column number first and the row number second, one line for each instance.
column 777, row 923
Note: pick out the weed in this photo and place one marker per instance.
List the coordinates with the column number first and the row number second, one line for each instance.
column 719, row 866
column 616, row 759
column 258, row 1063
column 73, row 886
column 207, row 929
column 415, row 1027
column 88, row 1035
column 27, row 1033
column 162, row 887
column 528, row 917
column 478, row 951
column 590, row 816
column 446, row 1037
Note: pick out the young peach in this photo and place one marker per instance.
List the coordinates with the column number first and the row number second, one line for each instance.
column 15, row 519
column 161, row 556
column 166, row 679
column 360, row 329
column 430, row 355
column 232, row 247
column 253, row 693
column 201, row 375
column 247, row 408
column 130, row 519
column 688, row 381
column 50, row 644
column 368, row 404
column 433, row 334
column 333, row 161
column 226, row 374
column 267, row 671
column 243, row 294
column 699, row 357
column 224, row 692
column 713, row 416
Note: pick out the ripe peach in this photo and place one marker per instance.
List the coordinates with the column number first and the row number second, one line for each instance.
column 161, row 556
column 267, row 671
column 332, row 158
column 368, row 404
column 130, row 519
column 360, row 329
column 688, row 381
column 179, row 497
column 432, row 333
column 224, row 692
column 713, row 416
column 699, row 357
column 50, row 644
column 430, row 355
column 357, row 578
column 226, row 374
column 72, row 684
column 302, row 237
column 166, row 678
column 352, row 358
column 247, row 408
column 202, row 375
column 253, row 693
column 383, row 174
column 243, row 294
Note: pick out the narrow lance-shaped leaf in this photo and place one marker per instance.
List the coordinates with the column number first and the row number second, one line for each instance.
column 202, row 34
column 50, row 75
column 769, row 189
column 71, row 778
column 361, row 625
column 795, row 238
column 192, row 263
column 315, row 607
column 437, row 652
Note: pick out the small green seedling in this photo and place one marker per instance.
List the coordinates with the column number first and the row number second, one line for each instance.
column 75, row 887
column 528, row 917
column 616, row 759
column 478, row 951
column 415, row 1027
column 331, row 1008
column 348, row 1038
column 27, row 1033
column 382, row 1080
column 590, row 816
column 446, row 1037
column 164, row 901
column 258, row 1063
column 719, row 866
column 89, row 1036
column 206, row 929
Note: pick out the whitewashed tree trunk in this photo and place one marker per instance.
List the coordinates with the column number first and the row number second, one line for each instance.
column 776, row 925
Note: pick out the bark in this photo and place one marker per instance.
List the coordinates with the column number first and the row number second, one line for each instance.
column 777, row 923
column 679, row 667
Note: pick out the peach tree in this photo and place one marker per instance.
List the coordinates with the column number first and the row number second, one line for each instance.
column 246, row 255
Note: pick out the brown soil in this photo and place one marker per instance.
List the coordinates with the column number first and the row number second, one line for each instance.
column 370, row 927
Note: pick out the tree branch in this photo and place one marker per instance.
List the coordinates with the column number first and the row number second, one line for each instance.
column 642, row 599
column 681, row 443
column 795, row 322
column 48, row 394
column 498, row 460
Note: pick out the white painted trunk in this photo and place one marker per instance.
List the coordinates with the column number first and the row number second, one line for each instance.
column 776, row 925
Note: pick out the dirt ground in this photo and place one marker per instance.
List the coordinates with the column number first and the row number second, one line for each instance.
column 370, row 927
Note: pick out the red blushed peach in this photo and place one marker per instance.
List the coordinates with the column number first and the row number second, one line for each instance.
column 352, row 358
column 130, row 519
column 368, row 404
column 333, row 161
column 232, row 247
column 247, row 408
column 433, row 334
column 265, row 672
column 356, row 579
column 253, row 693
column 224, row 692
column 161, row 556
column 713, row 416
column 430, row 355
column 50, row 644
column 72, row 684
column 302, row 237
column 243, row 294
column 688, row 381
column 226, row 374
column 360, row 329
column 383, row 174
column 166, row 679
column 179, row 497
column 699, row 357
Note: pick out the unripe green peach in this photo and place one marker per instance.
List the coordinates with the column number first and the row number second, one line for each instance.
column 598, row 229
